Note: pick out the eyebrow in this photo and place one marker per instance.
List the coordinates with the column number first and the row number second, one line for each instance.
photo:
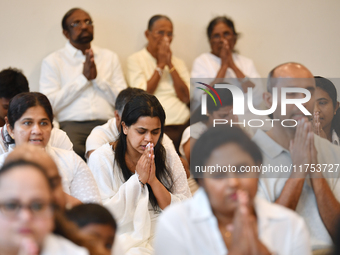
column 322, row 98
column 32, row 119
column 147, row 129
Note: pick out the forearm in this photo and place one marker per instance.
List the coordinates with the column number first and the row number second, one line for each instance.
column 328, row 206
column 291, row 192
column 152, row 83
column 181, row 88
column 161, row 193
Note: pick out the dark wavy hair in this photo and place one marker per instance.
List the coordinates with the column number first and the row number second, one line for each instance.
column 224, row 19
column 23, row 101
column 216, row 137
column 143, row 105
column 328, row 86
column 12, row 82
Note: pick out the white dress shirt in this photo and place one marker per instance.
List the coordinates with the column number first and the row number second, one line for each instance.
column 72, row 96
column 141, row 66
column 129, row 202
column 191, row 227
column 271, row 188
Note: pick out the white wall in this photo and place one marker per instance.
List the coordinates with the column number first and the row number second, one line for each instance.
column 273, row 31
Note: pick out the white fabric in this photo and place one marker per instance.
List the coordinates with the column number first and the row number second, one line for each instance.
column 140, row 68
column 58, row 139
column 57, row 245
column 270, row 188
column 72, row 96
column 191, row 227
column 207, row 66
column 193, row 131
column 335, row 138
column 129, row 202
column 77, row 179
column 108, row 133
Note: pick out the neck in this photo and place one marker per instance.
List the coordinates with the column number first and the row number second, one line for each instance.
column 2, row 122
column 281, row 135
column 153, row 52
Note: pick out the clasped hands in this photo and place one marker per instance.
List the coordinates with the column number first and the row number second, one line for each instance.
column 89, row 69
column 245, row 239
column 145, row 167
column 164, row 54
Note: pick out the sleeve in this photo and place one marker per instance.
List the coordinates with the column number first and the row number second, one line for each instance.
column 60, row 140
column 168, row 241
column 112, row 81
column 301, row 244
column 135, row 76
column 83, row 185
column 180, row 190
column 50, row 85
column 184, row 140
column 99, row 136
column 127, row 201
column 199, row 69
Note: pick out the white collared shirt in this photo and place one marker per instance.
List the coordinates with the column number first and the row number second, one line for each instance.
column 271, row 188
column 58, row 245
column 335, row 138
column 190, row 227
column 72, row 96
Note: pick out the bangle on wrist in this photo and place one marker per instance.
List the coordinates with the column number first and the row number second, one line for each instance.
column 141, row 182
column 172, row 69
column 160, row 71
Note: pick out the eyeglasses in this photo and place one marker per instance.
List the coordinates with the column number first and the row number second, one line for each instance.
column 78, row 23
column 226, row 35
column 37, row 209
column 162, row 33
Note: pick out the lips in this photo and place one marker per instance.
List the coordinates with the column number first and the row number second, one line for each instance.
column 25, row 231
column 35, row 141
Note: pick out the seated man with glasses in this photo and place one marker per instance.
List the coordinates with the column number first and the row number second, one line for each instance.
column 155, row 70
column 81, row 80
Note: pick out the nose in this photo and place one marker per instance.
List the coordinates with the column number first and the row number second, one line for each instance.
column 316, row 108
column 36, row 129
column 147, row 137
column 233, row 182
column 25, row 214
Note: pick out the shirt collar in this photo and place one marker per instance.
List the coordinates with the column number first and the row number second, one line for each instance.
column 268, row 145
column 335, row 138
column 201, row 206
column 74, row 51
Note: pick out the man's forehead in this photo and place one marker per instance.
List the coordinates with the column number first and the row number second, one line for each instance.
column 78, row 15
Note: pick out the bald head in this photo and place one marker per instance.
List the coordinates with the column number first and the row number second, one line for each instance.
column 287, row 70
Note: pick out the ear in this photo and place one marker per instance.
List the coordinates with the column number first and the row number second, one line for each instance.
column 66, row 34
column 268, row 99
column 336, row 107
column 125, row 128
column 147, row 33
column 9, row 129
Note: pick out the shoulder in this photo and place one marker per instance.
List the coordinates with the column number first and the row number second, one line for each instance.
column 277, row 213
column 104, row 151
column 52, row 57
column 138, row 55
column 103, row 156
column 204, row 57
column 55, row 244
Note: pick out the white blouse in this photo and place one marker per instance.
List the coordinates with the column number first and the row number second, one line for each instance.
column 77, row 179
column 192, row 228
column 57, row 245
column 129, row 202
